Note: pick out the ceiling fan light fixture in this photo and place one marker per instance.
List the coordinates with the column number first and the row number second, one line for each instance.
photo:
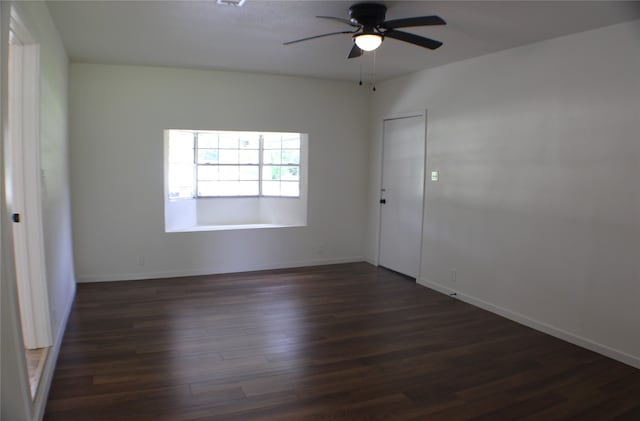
column 368, row 42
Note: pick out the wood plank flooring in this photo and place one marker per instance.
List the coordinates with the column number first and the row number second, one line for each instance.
column 340, row 342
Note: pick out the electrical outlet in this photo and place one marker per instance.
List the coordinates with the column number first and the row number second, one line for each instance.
column 453, row 275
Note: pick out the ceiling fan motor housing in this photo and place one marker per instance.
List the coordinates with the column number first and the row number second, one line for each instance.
column 368, row 15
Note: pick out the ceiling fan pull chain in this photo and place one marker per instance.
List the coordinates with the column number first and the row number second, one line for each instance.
column 374, row 70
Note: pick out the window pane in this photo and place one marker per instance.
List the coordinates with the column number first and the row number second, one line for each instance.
column 228, row 141
column 290, row 173
column 228, row 156
column 249, row 172
column 290, row 189
column 208, row 156
column 270, row 173
column 208, row 172
column 207, row 140
column 272, row 156
column 229, row 188
column 231, row 172
column 272, row 141
column 291, row 142
column 271, row 188
column 290, row 156
column 248, row 188
column 207, row 188
column 250, row 140
column 249, row 156
column 218, row 188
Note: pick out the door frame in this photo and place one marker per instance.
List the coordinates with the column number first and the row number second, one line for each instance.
column 24, row 170
column 423, row 115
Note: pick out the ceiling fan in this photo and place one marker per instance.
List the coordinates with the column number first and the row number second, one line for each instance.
column 371, row 28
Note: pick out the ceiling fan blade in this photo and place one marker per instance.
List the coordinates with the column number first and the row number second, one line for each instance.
column 317, row 36
column 429, row 43
column 417, row 21
column 347, row 21
column 355, row 51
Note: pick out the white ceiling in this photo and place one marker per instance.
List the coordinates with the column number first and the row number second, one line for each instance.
column 202, row 34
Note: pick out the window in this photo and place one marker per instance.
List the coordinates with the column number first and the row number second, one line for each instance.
column 233, row 164
column 229, row 180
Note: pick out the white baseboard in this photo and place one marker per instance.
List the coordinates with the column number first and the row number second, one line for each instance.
column 213, row 271
column 370, row 261
column 537, row 325
column 40, row 403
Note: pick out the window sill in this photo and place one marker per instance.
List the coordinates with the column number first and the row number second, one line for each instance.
column 199, row 228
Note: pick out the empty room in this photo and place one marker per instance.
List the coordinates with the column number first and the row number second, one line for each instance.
column 320, row 210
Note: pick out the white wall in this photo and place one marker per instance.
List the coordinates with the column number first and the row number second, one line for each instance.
column 54, row 151
column 117, row 117
column 181, row 214
column 538, row 203
column 221, row 211
column 287, row 211
column 55, row 202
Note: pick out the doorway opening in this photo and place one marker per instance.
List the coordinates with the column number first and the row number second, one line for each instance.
column 23, row 194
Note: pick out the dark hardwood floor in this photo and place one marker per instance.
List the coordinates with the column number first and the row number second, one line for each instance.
column 342, row 342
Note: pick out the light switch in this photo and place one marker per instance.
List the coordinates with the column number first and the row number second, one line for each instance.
column 435, row 175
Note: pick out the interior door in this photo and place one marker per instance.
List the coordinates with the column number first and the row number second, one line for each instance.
column 401, row 198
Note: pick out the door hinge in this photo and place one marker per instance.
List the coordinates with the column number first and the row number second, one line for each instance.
column 15, row 217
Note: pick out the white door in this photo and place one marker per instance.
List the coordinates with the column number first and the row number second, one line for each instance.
column 401, row 198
